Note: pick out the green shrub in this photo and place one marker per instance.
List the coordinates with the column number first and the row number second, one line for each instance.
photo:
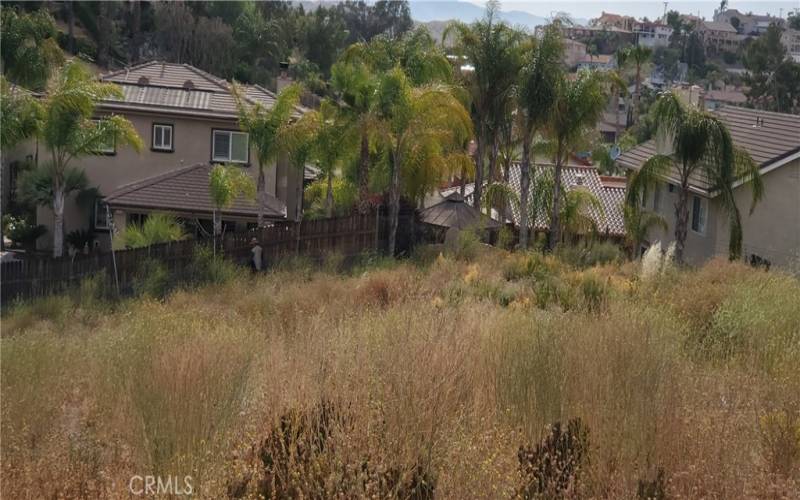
column 80, row 238
column 152, row 279
column 207, row 268
column 593, row 291
column 506, row 238
column 592, row 255
column 467, row 244
column 22, row 231
column 93, row 290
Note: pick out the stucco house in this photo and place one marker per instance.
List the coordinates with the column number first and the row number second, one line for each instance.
column 187, row 119
column 772, row 231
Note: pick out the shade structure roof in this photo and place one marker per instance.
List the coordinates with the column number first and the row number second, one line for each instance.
column 452, row 212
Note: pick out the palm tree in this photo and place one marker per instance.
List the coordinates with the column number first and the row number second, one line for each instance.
column 356, row 76
column 355, row 86
column 68, row 131
column 536, row 96
column 492, row 48
column 331, row 145
column 420, row 125
column 701, row 145
column 157, row 228
column 576, row 217
column 638, row 224
column 264, row 127
column 226, row 183
column 298, row 143
column 578, row 105
column 639, row 56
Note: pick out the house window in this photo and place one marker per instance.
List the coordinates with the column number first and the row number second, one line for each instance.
column 230, row 146
column 100, row 216
column 671, row 188
column 106, row 147
column 699, row 214
column 162, row 137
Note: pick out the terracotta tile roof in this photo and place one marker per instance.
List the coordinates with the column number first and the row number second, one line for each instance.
column 717, row 26
column 454, row 212
column 777, row 137
column 185, row 190
column 727, row 96
column 611, row 195
column 163, row 86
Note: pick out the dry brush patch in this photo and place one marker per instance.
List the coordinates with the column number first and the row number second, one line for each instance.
column 414, row 380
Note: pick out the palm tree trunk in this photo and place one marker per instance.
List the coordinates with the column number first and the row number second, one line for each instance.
column 261, row 195
column 493, row 153
column 681, row 220
column 329, row 196
column 618, row 129
column 555, row 227
column 479, row 153
column 463, row 182
column 58, row 220
column 636, row 93
column 363, row 173
column 217, row 220
column 394, row 203
column 525, row 188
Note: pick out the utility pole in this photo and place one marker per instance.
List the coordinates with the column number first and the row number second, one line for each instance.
column 665, row 11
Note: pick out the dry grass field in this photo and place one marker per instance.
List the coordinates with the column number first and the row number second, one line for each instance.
column 495, row 376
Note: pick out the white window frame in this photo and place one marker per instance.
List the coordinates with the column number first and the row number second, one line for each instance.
column 99, row 205
column 162, row 147
column 702, row 218
column 229, row 159
column 112, row 150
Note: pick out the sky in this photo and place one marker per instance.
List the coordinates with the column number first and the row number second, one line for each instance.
column 641, row 8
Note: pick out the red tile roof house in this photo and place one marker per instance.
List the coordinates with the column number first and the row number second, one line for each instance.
column 772, row 231
column 188, row 121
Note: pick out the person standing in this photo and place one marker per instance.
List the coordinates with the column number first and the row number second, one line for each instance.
column 256, row 252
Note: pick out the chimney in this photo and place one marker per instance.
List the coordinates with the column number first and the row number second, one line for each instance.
column 283, row 80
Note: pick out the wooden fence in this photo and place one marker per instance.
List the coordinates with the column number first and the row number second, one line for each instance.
column 348, row 236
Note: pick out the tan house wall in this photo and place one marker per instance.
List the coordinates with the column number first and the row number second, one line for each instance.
column 699, row 247
column 192, row 144
column 772, row 231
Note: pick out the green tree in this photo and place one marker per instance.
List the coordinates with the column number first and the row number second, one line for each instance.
column 298, row 140
column 28, row 47
column 419, row 124
column 21, row 114
column 771, row 75
column 331, row 145
column 536, row 95
column 264, row 127
column 702, row 146
column 576, row 217
column 227, row 183
column 492, row 49
column 579, row 103
column 68, row 131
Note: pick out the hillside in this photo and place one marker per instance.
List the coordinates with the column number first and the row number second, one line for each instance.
column 444, row 376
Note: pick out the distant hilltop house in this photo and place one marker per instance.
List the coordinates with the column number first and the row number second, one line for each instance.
column 719, row 37
column 611, row 21
column 748, row 24
column 601, row 62
column 711, row 99
column 188, row 121
column 652, row 34
column 791, row 40
column 772, row 232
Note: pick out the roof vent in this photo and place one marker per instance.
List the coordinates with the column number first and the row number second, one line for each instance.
column 188, row 85
column 143, row 80
column 579, row 179
column 759, row 122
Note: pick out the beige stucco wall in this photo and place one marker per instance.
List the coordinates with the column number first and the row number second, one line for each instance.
column 772, row 231
column 192, row 144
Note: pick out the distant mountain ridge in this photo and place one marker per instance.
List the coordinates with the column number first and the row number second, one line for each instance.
column 424, row 12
